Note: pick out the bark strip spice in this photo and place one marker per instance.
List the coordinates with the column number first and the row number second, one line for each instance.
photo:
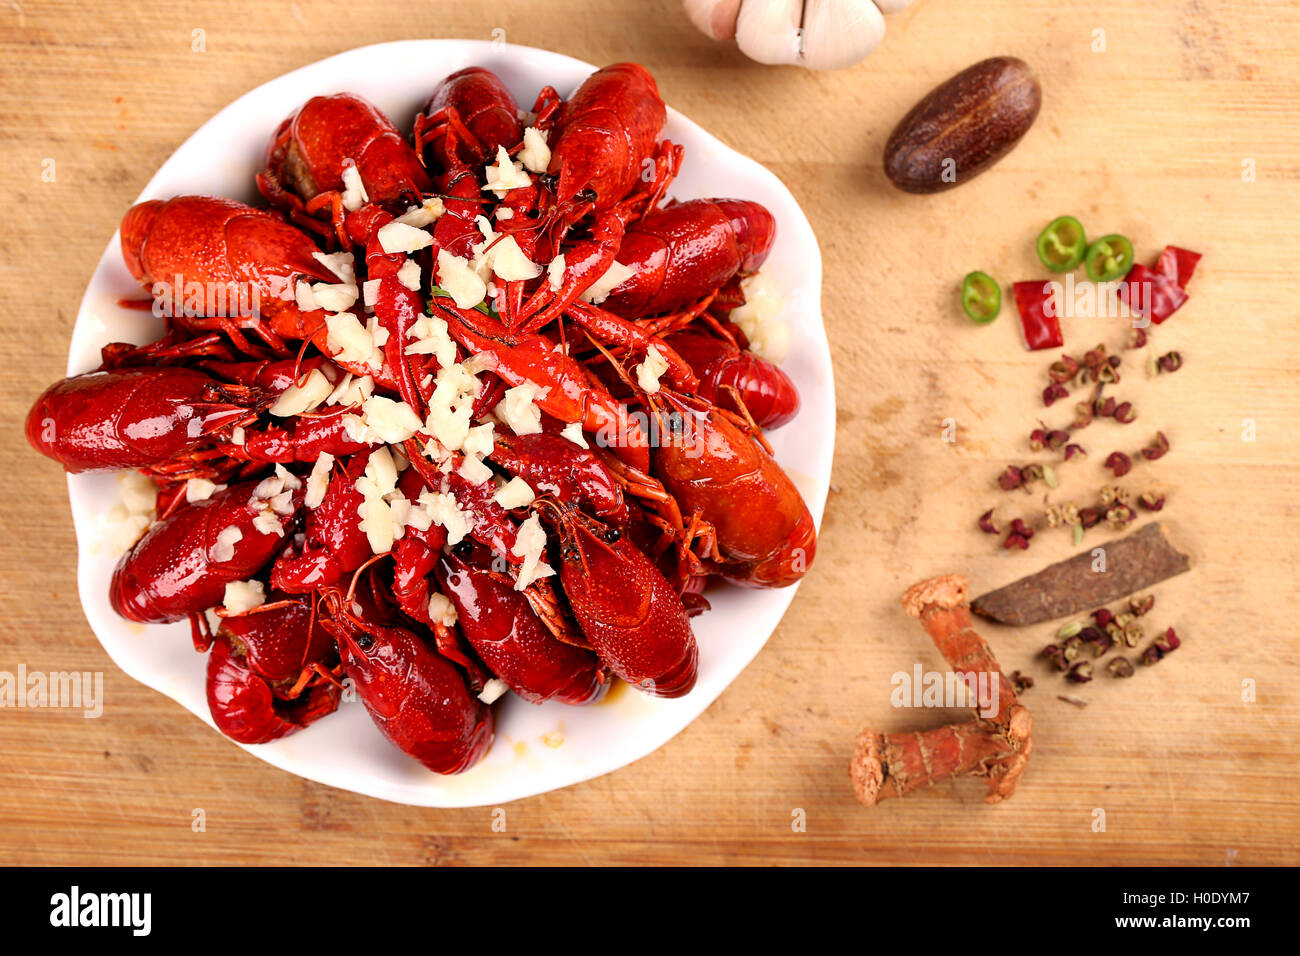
column 891, row 765
column 1133, row 563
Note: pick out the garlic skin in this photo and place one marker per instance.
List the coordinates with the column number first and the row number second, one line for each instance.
column 817, row 34
column 716, row 19
column 839, row 33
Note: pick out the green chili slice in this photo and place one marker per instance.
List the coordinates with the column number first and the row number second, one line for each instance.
column 981, row 297
column 1110, row 257
column 1062, row 244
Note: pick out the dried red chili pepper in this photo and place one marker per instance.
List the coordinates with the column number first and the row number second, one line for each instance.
column 1038, row 318
column 1159, row 296
column 1165, row 287
column 1178, row 264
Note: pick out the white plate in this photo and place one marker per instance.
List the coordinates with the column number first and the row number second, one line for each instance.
column 537, row 748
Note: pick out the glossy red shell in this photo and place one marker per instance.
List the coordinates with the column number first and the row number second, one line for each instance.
column 500, row 625
column 683, row 252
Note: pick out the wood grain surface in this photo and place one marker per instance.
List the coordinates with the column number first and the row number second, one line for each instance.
column 1149, row 138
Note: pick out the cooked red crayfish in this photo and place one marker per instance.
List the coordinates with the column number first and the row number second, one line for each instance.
column 268, row 673
column 481, row 422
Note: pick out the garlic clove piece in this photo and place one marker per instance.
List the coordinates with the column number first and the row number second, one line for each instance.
column 893, row 6
column 768, row 30
column 714, row 18
column 839, row 33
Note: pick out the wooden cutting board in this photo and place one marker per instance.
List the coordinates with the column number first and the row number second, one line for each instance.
column 1149, row 137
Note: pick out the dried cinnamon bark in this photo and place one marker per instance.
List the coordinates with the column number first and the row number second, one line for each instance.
column 1133, row 563
column 891, row 765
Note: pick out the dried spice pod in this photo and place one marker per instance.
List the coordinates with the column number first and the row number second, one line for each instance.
column 1081, row 672
column 1011, row 478
column 1140, row 604
column 1054, row 392
column 963, row 126
column 1064, row 370
column 1151, row 501
column 1133, row 563
column 1120, row 667
column 1119, row 464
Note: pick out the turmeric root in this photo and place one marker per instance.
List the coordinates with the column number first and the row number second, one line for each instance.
column 997, row 748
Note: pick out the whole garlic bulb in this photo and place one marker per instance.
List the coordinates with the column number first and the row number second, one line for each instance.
column 818, row 34
column 714, row 18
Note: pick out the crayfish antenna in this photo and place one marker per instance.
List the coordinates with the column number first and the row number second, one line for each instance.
column 745, row 420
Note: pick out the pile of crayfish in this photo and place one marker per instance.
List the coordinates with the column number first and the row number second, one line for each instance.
column 481, row 423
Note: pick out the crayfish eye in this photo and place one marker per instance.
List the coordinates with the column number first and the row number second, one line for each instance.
column 364, row 641
column 463, row 549
column 675, row 422
column 612, row 535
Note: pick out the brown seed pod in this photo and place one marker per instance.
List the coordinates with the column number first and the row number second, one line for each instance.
column 963, row 126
